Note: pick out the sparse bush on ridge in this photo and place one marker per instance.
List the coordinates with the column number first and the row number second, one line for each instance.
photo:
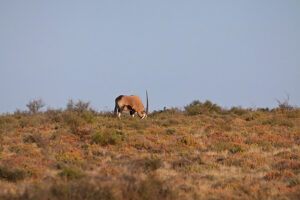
column 197, row 107
column 55, row 115
column 239, row 111
column 78, row 115
column 35, row 105
column 284, row 105
column 80, row 106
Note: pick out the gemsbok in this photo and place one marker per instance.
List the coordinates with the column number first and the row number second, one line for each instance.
column 132, row 104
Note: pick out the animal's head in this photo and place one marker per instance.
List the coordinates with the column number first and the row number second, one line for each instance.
column 143, row 114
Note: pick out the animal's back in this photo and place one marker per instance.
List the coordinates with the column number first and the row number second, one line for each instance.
column 134, row 100
column 131, row 100
column 118, row 98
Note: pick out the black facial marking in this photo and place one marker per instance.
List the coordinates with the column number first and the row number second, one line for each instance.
column 132, row 112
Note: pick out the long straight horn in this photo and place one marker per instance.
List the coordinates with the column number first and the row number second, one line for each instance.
column 147, row 103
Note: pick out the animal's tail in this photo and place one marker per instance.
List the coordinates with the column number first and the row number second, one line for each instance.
column 116, row 109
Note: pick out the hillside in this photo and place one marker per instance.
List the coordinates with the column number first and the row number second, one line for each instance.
column 202, row 152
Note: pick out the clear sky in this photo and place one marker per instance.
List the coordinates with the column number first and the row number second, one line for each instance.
column 234, row 53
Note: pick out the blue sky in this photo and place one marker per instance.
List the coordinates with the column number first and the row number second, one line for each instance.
column 234, row 53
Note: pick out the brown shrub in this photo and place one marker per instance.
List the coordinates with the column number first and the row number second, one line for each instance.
column 287, row 164
column 12, row 174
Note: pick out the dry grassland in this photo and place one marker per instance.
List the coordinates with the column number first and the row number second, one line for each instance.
column 203, row 152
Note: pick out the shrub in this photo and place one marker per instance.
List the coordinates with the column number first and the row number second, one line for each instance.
column 251, row 116
column 71, row 173
column 197, row 107
column 181, row 163
column 80, row 106
column 170, row 122
column 238, row 110
column 273, row 175
column 35, row 105
column 7, row 123
column 153, row 164
column 150, row 188
column 107, row 137
column 69, row 157
column 88, row 116
column 230, row 146
column 170, row 131
column 38, row 138
column 279, row 121
column 55, row 115
column 73, row 120
column 75, row 189
column 284, row 105
column 294, row 181
column 137, row 125
column 80, row 190
column 165, row 111
column 188, row 140
column 223, row 125
column 293, row 114
column 10, row 174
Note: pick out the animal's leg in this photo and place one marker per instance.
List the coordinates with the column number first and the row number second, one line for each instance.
column 132, row 113
column 116, row 109
column 119, row 113
column 120, row 110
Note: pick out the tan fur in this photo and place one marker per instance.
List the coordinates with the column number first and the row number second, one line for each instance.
column 131, row 103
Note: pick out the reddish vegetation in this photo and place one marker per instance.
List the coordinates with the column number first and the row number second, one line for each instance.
column 204, row 152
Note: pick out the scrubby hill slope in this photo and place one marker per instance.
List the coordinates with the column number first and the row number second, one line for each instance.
column 203, row 152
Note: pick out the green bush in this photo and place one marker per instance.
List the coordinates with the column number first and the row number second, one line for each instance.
column 231, row 147
column 251, row 116
column 108, row 137
column 197, row 107
column 88, row 116
column 279, row 121
column 239, row 111
column 80, row 189
column 154, row 188
column 54, row 115
column 73, row 120
column 10, row 174
column 71, row 173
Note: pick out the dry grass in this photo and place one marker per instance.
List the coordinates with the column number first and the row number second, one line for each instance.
column 204, row 152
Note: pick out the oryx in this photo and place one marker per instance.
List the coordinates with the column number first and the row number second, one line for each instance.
column 132, row 104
